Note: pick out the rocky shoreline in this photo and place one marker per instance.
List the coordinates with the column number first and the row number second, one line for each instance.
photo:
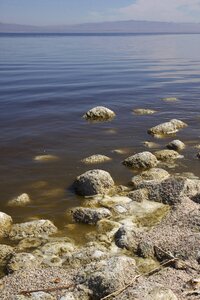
column 145, row 243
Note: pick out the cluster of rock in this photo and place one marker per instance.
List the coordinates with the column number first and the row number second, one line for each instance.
column 134, row 230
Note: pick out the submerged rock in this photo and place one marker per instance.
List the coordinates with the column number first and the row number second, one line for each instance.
column 176, row 145
column 5, row 224
column 46, row 158
column 96, row 159
column 150, row 145
column 152, row 175
column 93, row 182
column 167, row 128
column 89, row 215
column 170, row 99
column 21, row 200
column 167, row 155
column 111, row 275
column 100, row 113
column 37, row 228
column 142, row 160
column 144, row 111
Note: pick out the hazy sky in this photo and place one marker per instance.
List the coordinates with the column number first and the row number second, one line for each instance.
column 51, row 12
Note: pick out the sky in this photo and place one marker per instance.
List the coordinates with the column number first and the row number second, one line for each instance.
column 61, row 12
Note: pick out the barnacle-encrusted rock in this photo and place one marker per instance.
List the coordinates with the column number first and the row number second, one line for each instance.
column 93, row 182
column 100, row 113
column 143, row 160
column 89, row 215
column 167, row 128
column 5, row 224
column 176, row 145
column 37, row 228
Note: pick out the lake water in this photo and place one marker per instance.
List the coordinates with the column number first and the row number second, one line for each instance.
column 47, row 82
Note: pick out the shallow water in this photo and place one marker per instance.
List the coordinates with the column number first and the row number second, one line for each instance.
column 47, row 82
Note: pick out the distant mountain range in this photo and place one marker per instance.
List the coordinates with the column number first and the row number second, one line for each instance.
column 106, row 27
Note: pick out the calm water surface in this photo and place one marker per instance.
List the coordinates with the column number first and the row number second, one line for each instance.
column 48, row 82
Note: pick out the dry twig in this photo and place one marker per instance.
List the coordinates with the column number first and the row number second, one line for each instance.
column 50, row 289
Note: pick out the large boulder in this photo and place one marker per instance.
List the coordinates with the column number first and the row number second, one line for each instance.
column 171, row 190
column 111, row 275
column 5, row 224
column 100, row 113
column 167, row 127
column 37, row 228
column 143, row 160
column 93, row 182
column 89, row 215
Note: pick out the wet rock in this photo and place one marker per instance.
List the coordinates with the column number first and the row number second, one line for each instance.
column 138, row 195
column 112, row 275
column 54, row 253
column 176, row 145
column 151, row 145
column 161, row 293
column 197, row 146
column 89, row 215
column 96, row 159
column 91, row 252
column 171, row 190
column 36, row 296
column 121, row 151
column 36, row 229
column 167, row 155
column 21, row 261
column 93, row 182
column 46, row 158
column 167, row 127
column 5, row 252
column 109, row 202
column 125, row 238
column 143, row 160
column 30, row 244
column 106, row 230
column 21, row 200
column 152, row 175
column 100, row 113
column 144, row 111
column 5, row 224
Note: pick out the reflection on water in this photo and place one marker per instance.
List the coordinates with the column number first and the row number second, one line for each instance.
column 48, row 82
